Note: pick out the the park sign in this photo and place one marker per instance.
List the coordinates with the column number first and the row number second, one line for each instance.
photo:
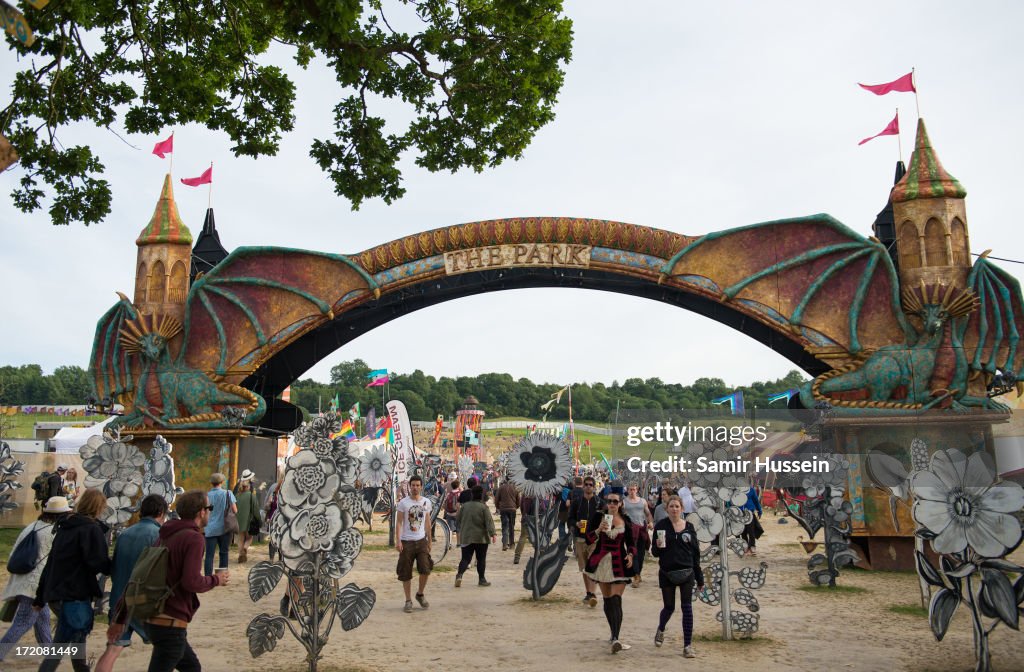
column 522, row 254
column 15, row 24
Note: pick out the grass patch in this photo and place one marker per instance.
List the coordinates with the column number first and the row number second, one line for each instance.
column 22, row 425
column 909, row 610
column 849, row 590
column 547, row 599
column 377, row 547
column 746, row 641
column 7, row 537
column 442, row 569
column 896, row 572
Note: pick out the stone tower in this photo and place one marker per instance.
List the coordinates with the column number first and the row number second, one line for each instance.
column 931, row 221
column 164, row 260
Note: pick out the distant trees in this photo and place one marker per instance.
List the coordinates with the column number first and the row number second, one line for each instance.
column 426, row 396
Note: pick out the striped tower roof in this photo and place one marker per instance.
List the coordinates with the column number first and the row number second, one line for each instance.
column 166, row 225
column 926, row 178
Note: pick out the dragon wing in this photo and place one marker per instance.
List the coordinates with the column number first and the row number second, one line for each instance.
column 109, row 364
column 812, row 275
column 240, row 312
column 991, row 333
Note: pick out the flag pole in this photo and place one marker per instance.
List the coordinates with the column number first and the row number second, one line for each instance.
column 899, row 138
column 209, row 194
column 170, row 168
column 913, row 80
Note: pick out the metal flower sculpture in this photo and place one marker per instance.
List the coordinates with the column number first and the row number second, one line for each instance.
column 158, row 476
column 115, row 466
column 465, row 465
column 825, row 508
column 539, row 465
column 718, row 518
column 750, row 578
column 375, row 467
column 317, row 544
column 966, row 514
column 10, row 469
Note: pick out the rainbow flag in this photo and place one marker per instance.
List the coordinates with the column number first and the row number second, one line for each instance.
column 347, row 431
column 377, row 377
column 384, row 429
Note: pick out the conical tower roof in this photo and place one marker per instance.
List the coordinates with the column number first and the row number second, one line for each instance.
column 926, row 178
column 166, row 225
column 208, row 251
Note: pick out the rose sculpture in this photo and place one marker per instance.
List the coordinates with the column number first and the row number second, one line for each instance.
column 313, row 531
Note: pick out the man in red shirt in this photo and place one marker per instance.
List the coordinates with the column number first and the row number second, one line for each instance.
column 185, row 547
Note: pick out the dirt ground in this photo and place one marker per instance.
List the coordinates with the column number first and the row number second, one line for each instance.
column 473, row 627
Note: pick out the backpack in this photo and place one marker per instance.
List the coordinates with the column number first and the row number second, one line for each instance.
column 450, row 503
column 147, row 588
column 25, row 555
column 42, row 487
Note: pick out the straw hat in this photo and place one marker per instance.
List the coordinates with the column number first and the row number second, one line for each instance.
column 247, row 475
column 56, row 505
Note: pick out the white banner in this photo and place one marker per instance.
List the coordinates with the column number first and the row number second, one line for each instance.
column 405, row 451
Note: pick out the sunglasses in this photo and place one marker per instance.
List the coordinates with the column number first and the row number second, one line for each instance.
column 588, row 485
column 208, row 507
column 614, row 501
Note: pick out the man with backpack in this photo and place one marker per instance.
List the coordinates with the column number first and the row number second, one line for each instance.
column 130, row 544
column 451, row 505
column 167, row 630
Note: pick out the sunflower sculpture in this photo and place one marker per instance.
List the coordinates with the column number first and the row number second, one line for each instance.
column 539, row 465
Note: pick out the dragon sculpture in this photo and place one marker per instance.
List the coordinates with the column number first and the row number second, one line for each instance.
column 892, row 350
column 175, row 375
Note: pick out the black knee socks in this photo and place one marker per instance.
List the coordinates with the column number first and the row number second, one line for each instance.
column 613, row 612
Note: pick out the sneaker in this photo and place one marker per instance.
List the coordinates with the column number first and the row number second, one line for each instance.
column 753, row 552
column 592, row 599
column 659, row 638
column 625, row 647
column 688, row 652
column 421, row 598
column 408, row 607
column 616, row 646
column 515, row 561
column 458, row 580
column 484, row 583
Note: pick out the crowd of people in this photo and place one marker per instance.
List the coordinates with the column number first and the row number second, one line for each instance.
column 613, row 529
column 58, row 564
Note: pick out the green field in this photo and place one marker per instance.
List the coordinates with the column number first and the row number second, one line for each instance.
column 22, row 426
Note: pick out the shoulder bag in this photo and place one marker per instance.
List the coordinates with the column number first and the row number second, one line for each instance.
column 230, row 517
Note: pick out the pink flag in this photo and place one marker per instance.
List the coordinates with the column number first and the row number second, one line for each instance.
column 892, row 129
column 164, row 147
column 904, row 83
column 205, row 178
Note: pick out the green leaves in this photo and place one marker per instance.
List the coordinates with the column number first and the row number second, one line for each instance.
column 480, row 78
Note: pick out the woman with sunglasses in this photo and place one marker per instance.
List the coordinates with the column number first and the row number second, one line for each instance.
column 611, row 563
column 675, row 546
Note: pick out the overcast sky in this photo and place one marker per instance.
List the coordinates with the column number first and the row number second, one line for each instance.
column 690, row 117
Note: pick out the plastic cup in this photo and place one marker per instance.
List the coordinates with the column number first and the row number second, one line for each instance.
column 661, row 538
column 583, row 526
column 608, row 519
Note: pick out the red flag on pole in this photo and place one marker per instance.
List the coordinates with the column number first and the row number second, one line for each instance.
column 904, row 83
column 892, row 129
column 164, row 147
column 205, row 178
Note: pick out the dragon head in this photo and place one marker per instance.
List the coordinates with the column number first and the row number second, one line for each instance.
column 147, row 336
column 937, row 304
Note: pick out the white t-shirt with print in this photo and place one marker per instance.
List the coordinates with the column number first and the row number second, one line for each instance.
column 417, row 517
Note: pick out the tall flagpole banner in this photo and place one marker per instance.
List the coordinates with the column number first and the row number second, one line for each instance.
column 405, row 452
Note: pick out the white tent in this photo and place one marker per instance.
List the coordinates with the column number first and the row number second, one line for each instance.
column 70, row 439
